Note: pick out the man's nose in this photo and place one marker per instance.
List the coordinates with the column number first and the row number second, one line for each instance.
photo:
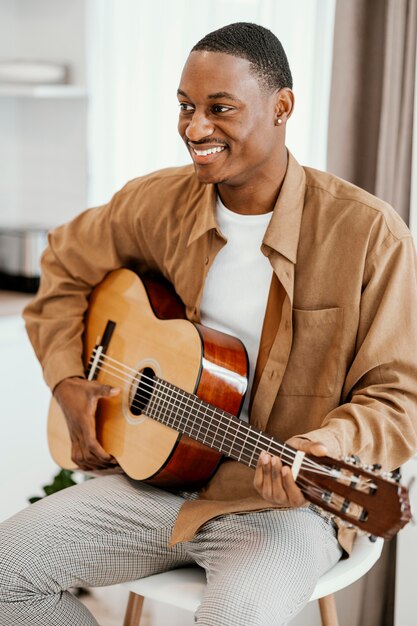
column 199, row 127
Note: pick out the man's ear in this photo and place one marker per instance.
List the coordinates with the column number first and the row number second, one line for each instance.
column 284, row 104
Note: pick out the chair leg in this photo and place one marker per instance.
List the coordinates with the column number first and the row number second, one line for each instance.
column 133, row 610
column 328, row 611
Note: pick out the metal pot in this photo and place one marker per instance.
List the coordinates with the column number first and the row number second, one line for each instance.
column 20, row 252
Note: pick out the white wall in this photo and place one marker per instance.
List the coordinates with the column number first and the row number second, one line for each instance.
column 413, row 205
column 43, row 147
column 138, row 50
column 25, row 463
column 54, row 163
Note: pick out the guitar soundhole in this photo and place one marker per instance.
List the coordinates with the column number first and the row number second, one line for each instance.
column 141, row 391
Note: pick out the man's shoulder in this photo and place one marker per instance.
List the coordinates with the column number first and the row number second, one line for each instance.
column 168, row 178
column 342, row 196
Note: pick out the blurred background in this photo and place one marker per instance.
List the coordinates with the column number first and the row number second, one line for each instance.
column 88, row 101
column 72, row 144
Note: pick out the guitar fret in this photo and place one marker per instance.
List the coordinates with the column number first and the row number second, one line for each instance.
column 181, row 415
column 202, row 422
column 172, row 407
column 212, row 428
column 161, row 417
column 252, row 463
column 226, row 432
column 149, row 409
column 242, row 448
column 189, row 408
column 233, row 442
column 156, row 411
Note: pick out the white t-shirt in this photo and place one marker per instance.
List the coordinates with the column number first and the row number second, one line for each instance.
column 237, row 285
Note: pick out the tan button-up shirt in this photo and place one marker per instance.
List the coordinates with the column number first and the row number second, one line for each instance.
column 339, row 357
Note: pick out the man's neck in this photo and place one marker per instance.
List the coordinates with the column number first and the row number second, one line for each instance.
column 253, row 198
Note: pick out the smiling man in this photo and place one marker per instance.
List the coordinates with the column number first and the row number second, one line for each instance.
column 315, row 276
column 228, row 132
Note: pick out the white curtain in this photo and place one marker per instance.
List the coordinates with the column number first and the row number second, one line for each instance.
column 137, row 51
column 413, row 199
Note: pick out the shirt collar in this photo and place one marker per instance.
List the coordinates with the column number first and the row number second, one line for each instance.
column 283, row 230
column 205, row 219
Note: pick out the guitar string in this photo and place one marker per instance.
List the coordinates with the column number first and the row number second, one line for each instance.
column 361, row 485
column 282, row 449
column 321, row 470
column 169, row 399
column 285, row 450
column 310, row 488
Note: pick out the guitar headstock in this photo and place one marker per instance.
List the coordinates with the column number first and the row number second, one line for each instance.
column 365, row 497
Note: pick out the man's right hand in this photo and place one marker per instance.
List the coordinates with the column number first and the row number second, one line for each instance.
column 78, row 400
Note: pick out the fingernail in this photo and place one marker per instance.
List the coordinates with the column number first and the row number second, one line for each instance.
column 114, row 391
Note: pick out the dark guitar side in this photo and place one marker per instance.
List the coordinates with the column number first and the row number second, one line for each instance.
column 191, row 463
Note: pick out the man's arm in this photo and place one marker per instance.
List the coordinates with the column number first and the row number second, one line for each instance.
column 78, row 257
column 377, row 418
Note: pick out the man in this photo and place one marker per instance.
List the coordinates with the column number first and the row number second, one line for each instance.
column 319, row 280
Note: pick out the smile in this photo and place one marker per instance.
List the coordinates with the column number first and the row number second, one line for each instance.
column 209, row 151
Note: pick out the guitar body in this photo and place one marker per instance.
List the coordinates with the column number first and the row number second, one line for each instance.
column 146, row 336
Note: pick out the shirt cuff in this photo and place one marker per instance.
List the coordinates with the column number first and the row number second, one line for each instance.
column 61, row 365
column 327, row 438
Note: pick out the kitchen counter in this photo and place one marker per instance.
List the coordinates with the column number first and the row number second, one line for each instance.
column 13, row 302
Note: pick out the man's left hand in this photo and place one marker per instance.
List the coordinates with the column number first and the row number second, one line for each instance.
column 274, row 481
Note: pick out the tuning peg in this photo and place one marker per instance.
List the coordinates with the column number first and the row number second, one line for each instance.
column 396, row 475
column 352, row 459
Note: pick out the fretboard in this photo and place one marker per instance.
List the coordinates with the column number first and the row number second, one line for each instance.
column 203, row 422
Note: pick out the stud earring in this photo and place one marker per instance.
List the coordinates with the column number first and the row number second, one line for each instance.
column 278, row 121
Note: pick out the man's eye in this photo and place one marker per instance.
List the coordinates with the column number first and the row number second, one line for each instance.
column 185, row 107
column 219, row 108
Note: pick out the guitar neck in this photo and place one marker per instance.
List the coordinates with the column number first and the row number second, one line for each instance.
column 203, row 422
column 339, row 487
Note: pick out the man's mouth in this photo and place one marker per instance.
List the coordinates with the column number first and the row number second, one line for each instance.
column 208, row 151
column 204, row 153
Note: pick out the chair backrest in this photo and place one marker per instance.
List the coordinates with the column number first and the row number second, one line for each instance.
column 364, row 555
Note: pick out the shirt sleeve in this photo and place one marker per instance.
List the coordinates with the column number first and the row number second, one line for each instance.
column 78, row 257
column 377, row 418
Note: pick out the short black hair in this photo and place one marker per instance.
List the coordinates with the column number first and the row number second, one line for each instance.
column 256, row 44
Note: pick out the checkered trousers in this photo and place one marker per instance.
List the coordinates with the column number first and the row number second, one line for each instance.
column 261, row 567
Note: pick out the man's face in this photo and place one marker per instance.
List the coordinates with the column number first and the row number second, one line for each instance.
column 227, row 120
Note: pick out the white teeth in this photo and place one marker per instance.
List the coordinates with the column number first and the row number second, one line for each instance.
column 209, row 151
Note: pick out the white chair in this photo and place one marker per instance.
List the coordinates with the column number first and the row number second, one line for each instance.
column 183, row 588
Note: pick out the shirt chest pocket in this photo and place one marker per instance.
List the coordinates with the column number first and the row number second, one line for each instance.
column 314, row 360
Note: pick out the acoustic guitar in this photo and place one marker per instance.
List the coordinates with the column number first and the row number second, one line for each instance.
column 182, row 387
